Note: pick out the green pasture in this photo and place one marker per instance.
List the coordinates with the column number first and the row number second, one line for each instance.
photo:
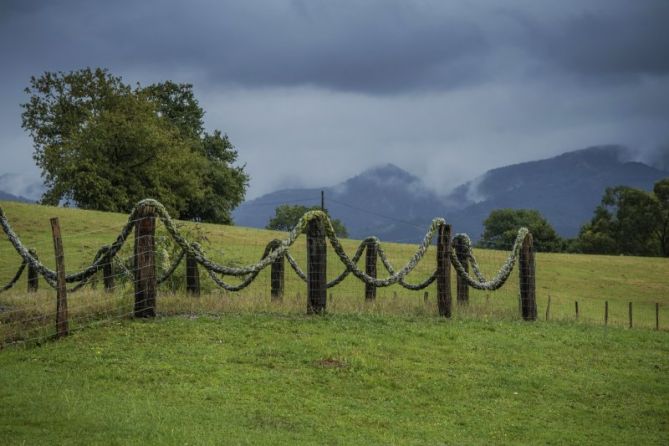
column 262, row 378
column 238, row 368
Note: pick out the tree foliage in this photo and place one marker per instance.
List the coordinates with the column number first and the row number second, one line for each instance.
column 103, row 145
column 629, row 221
column 661, row 191
column 286, row 217
column 501, row 228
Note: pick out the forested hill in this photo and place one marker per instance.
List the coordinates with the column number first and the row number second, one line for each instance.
column 565, row 189
column 395, row 205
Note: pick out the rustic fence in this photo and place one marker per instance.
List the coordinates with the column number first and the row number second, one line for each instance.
column 450, row 250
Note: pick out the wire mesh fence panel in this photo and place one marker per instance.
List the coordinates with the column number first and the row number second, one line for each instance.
column 27, row 318
column 503, row 303
column 592, row 281
column 613, row 313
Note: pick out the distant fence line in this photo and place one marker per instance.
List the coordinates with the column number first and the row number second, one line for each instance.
column 456, row 251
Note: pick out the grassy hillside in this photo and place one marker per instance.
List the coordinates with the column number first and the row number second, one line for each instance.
column 564, row 277
column 236, row 368
column 342, row 379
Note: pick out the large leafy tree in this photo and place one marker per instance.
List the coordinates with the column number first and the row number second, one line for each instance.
column 104, row 145
column 501, row 228
column 286, row 217
column 629, row 221
column 661, row 191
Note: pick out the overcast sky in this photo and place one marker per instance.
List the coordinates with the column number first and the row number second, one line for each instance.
column 312, row 92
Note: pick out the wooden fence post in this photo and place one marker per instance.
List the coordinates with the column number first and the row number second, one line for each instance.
column 192, row 276
column 62, row 328
column 576, row 308
column 528, row 296
column 630, row 313
column 606, row 312
column 316, row 267
column 277, row 280
column 108, row 275
column 444, row 296
column 462, row 286
column 370, row 269
column 33, row 276
column 145, row 264
column 548, row 307
column 657, row 316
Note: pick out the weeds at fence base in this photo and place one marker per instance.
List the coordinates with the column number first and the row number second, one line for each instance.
column 29, row 320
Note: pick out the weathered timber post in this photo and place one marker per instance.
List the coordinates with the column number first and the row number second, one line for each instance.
column 657, row 316
column 606, row 312
column 108, row 275
column 462, row 286
column 192, row 276
column 548, row 307
column 528, row 297
column 316, row 267
column 277, row 269
column 145, row 264
column 444, row 296
column 62, row 328
column 630, row 313
column 33, row 276
column 370, row 269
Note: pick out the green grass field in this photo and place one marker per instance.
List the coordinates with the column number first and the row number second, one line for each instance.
column 345, row 379
column 236, row 368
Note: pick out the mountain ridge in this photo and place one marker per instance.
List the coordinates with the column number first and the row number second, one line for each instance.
column 395, row 205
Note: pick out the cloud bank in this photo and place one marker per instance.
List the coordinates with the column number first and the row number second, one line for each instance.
column 313, row 91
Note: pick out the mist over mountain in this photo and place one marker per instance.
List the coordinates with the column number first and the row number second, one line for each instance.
column 21, row 187
column 385, row 201
column 395, row 205
column 9, row 197
column 565, row 189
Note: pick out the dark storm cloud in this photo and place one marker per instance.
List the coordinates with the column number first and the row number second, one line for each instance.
column 434, row 86
column 373, row 47
column 611, row 39
column 367, row 46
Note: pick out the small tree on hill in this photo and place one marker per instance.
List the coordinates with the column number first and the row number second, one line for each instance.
column 501, row 228
column 629, row 221
column 286, row 217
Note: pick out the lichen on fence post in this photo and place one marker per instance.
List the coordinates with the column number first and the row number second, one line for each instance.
column 528, row 299
column 108, row 274
column 462, row 252
column 62, row 326
column 276, row 272
column 33, row 275
column 145, row 264
column 316, row 267
column 370, row 269
column 443, row 276
column 192, row 276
